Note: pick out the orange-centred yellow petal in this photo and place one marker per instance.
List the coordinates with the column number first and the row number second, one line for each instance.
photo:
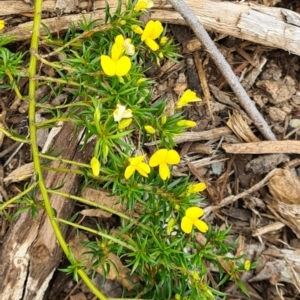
column 186, row 224
column 194, row 212
column 164, row 171
column 173, row 157
column 201, row 225
column 158, row 157
column 123, row 66
column 108, row 65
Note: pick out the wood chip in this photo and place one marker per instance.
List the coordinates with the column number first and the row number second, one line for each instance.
column 215, row 133
column 238, row 125
column 263, row 147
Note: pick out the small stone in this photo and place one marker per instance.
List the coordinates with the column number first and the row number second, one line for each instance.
column 277, row 114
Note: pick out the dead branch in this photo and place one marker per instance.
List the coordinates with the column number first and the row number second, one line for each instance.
column 224, row 67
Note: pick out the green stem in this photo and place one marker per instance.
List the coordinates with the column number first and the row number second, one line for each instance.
column 71, row 162
column 12, row 137
column 35, row 151
column 11, row 79
column 104, row 235
column 12, row 200
column 65, row 82
column 81, row 36
column 50, row 121
column 108, row 209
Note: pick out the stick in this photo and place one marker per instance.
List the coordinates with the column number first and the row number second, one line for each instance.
column 202, row 35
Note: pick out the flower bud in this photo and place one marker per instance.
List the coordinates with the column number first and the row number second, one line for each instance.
column 95, row 165
column 186, row 123
column 124, row 123
column 163, row 119
column 163, row 40
column 149, row 129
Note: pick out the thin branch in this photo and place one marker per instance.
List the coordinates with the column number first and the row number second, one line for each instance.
column 181, row 7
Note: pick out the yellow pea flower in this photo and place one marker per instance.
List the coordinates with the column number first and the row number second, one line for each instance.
column 2, row 24
column 95, row 165
column 187, row 97
column 149, row 129
column 143, row 4
column 152, row 31
column 116, row 64
column 186, row 123
column 191, row 218
column 196, row 188
column 122, row 113
column 137, row 164
column 163, row 158
column 124, row 123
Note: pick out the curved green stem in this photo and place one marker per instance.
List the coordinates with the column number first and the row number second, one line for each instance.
column 11, row 79
column 35, row 151
column 12, row 200
column 104, row 235
column 108, row 209
column 12, row 137
column 71, row 162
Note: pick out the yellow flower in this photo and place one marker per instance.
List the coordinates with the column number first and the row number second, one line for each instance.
column 163, row 158
column 187, row 97
column 137, row 164
column 152, row 31
column 116, row 64
column 2, row 24
column 191, row 218
column 143, row 4
column 149, row 129
column 186, row 123
column 122, row 113
column 247, row 265
column 124, row 123
column 95, row 165
column 196, row 188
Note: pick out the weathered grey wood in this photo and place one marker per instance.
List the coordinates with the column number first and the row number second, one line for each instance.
column 269, row 26
column 30, row 253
